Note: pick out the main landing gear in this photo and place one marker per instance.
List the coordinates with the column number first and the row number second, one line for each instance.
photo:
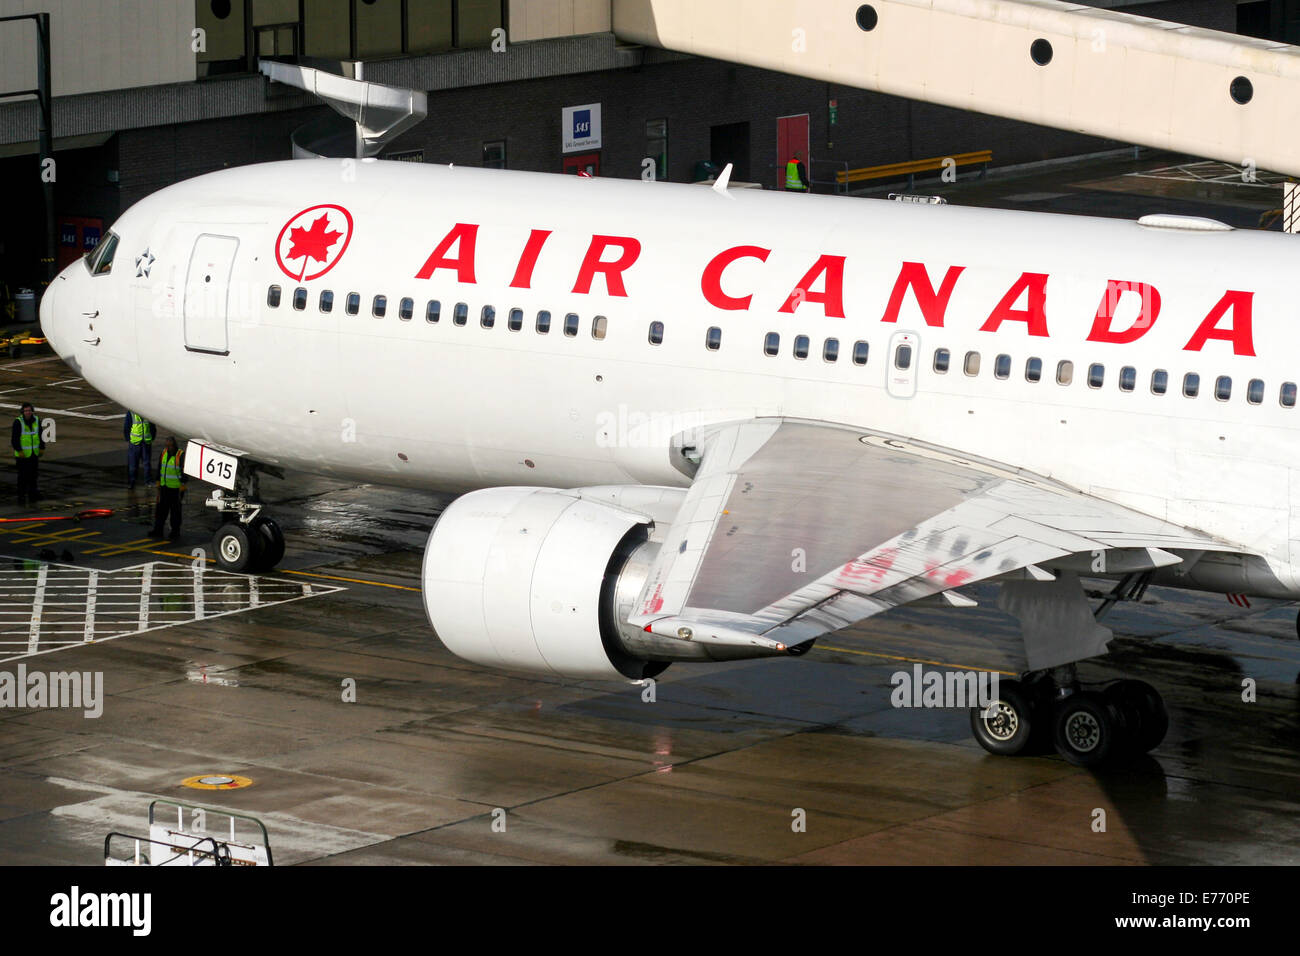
column 1086, row 727
column 248, row 539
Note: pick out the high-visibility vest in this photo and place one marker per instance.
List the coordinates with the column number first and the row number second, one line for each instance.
column 139, row 429
column 169, row 470
column 792, row 180
column 30, row 438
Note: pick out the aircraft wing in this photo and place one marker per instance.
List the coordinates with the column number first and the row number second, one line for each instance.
column 793, row 529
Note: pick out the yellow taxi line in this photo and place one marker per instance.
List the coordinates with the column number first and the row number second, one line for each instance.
column 912, row 660
column 335, row 577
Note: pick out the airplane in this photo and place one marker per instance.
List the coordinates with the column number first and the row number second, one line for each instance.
column 694, row 423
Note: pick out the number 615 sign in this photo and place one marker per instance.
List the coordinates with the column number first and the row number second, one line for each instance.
column 215, row 467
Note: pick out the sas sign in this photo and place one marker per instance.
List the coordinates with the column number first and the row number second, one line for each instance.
column 581, row 127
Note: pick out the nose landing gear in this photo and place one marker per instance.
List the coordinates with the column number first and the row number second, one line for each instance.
column 248, row 540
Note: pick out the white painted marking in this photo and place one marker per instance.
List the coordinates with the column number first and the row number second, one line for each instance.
column 55, row 607
column 71, row 414
column 34, row 630
column 146, row 582
column 88, row 631
column 26, row 362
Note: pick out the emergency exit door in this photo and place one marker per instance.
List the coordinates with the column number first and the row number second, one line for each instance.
column 207, row 293
column 900, row 375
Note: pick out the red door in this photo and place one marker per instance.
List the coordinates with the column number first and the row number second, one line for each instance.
column 588, row 163
column 791, row 137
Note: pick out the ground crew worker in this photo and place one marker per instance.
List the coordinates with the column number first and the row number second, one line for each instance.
column 795, row 180
column 139, row 434
column 27, row 444
column 171, row 484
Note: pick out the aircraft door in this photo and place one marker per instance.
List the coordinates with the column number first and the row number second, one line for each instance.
column 904, row 354
column 207, row 293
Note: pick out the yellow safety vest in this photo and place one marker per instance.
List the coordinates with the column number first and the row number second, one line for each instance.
column 169, row 470
column 792, row 180
column 30, row 438
column 139, row 429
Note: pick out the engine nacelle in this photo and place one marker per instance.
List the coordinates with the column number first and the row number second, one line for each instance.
column 530, row 579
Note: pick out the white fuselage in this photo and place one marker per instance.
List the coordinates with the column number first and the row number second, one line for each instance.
column 456, row 407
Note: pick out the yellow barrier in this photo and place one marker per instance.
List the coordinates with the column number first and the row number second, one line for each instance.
column 911, row 167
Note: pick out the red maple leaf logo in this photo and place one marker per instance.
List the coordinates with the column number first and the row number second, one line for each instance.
column 313, row 243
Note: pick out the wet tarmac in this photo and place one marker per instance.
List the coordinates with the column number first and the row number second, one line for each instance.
column 367, row 742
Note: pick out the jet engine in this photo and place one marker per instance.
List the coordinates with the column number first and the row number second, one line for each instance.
column 541, row 580
column 523, row 578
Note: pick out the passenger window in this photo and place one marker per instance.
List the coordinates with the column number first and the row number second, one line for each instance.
column 327, row 301
column 516, row 320
column 299, row 299
column 1191, row 384
column 713, row 338
column 859, row 353
column 432, row 311
column 379, row 306
column 903, row 357
column 1064, row 372
column 571, row 324
column 1287, row 395
column 1033, row 370
column 801, row 346
column 831, row 350
column 273, row 297
column 599, row 325
column 487, row 317
column 972, row 363
column 1002, row 366
column 1223, row 388
column 1159, row 382
column 771, row 343
column 941, row 359
column 543, row 322
column 656, row 333
column 354, row 303
column 1128, row 378
column 460, row 314
column 1255, row 391
column 406, row 309
column 1096, row 375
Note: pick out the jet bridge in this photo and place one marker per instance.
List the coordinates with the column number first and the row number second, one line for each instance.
column 1064, row 65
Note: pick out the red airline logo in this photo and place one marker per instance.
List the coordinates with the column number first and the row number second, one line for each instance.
column 312, row 242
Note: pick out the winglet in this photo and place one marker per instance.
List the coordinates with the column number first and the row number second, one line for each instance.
column 724, row 177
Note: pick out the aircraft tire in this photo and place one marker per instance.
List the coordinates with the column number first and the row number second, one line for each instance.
column 1089, row 729
column 1144, row 710
column 1013, row 727
column 234, row 548
column 271, row 541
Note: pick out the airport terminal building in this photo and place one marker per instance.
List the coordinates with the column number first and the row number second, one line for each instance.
column 151, row 92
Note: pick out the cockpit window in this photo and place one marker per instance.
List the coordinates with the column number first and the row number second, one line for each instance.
column 100, row 260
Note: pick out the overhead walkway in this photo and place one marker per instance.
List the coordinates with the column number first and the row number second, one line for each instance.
column 1103, row 72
